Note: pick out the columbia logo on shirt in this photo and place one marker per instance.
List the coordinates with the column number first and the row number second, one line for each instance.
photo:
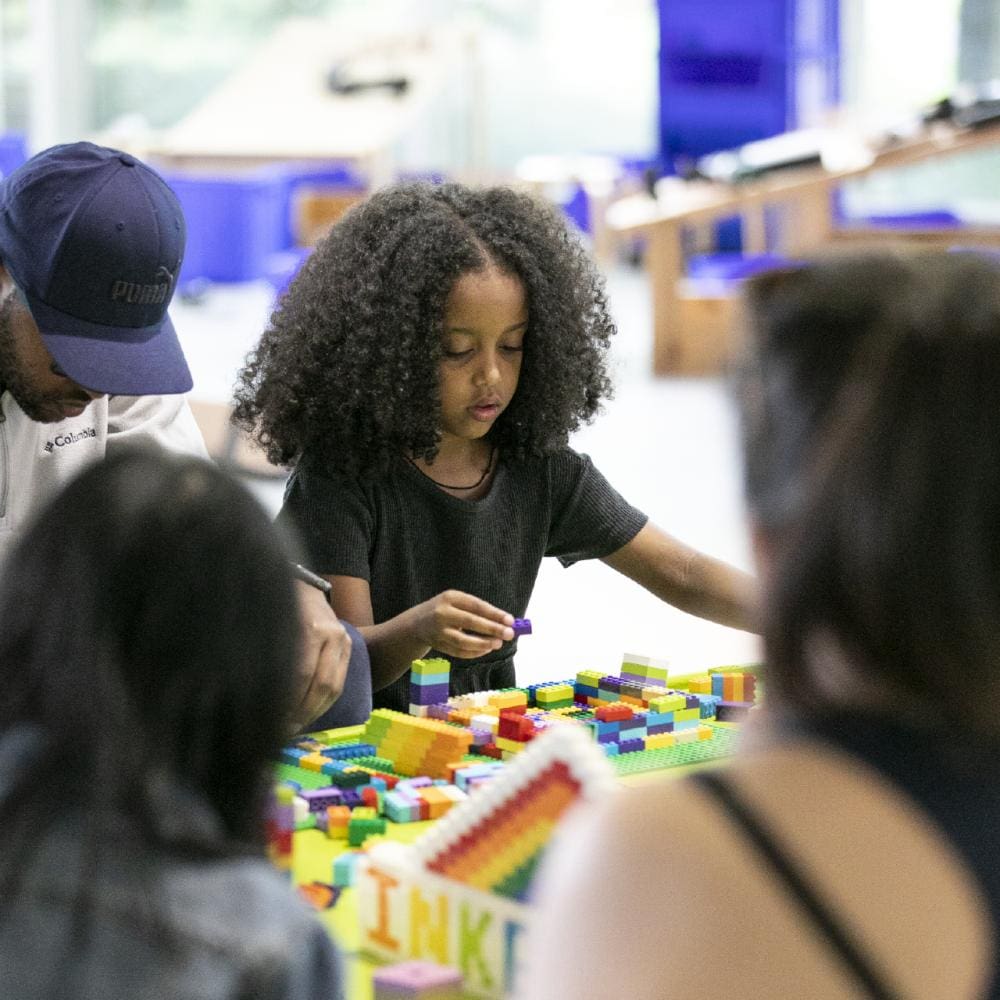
column 61, row 440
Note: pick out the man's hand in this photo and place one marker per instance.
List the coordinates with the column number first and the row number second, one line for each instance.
column 326, row 650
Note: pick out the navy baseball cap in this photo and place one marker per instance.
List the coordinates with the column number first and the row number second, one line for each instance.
column 93, row 239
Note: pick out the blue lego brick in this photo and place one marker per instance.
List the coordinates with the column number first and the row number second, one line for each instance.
column 348, row 751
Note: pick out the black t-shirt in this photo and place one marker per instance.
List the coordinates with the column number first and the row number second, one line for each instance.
column 410, row 540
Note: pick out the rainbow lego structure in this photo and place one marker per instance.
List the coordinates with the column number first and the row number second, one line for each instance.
column 456, row 895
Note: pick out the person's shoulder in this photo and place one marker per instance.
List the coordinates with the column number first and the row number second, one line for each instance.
column 670, row 851
column 318, row 468
column 561, row 462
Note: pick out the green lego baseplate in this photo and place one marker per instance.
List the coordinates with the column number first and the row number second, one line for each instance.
column 722, row 744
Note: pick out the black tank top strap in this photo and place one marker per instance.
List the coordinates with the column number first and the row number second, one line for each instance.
column 840, row 939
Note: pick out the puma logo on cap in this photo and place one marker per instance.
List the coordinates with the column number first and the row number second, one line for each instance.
column 136, row 294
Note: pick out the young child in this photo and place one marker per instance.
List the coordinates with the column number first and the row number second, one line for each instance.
column 850, row 849
column 422, row 374
column 147, row 676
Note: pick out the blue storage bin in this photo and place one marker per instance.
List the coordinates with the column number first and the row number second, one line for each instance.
column 13, row 151
column 234, row 223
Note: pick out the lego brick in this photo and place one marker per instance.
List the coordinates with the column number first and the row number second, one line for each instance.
column 420, row 979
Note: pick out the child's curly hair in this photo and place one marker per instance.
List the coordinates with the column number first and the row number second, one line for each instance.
column 347, row 370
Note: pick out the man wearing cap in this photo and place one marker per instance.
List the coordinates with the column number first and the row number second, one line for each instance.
column 91, row 242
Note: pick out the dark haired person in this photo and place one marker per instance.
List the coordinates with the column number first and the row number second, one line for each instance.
column 91, row 242
column 851, row 849
column 423, row 373
column 139, row 717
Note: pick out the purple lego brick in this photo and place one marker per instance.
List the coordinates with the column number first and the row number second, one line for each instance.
column 428, row 694
column 413, row 979
column 522, row 626
column 320, row 798
column 631, row 746
column 352, row 798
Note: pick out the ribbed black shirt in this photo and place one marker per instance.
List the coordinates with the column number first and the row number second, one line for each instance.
column 410, row 540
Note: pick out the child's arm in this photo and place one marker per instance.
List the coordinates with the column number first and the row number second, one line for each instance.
column 688, row 579
column 453, row 623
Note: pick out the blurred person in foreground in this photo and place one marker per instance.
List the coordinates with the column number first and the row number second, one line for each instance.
column 850, row 849
column 147, row 666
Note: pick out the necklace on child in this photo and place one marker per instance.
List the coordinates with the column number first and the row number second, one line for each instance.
column 446, row 486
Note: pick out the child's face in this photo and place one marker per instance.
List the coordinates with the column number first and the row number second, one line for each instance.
column 485, row 321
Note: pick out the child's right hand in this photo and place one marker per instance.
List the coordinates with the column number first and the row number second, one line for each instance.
column 461, row 625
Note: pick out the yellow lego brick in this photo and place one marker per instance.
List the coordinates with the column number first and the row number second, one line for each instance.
column 660, row 740
column 511, row 746
column 668, row 703
column 434, row 665
column 508, row 699
column 313, row 761
column 557, row 691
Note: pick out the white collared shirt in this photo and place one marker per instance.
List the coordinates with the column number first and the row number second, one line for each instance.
column 38, row 459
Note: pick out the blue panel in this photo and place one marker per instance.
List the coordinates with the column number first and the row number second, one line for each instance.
column 729, row 69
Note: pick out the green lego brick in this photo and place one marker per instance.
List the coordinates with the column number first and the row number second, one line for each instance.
column 301, row 777
column 375, row 763
column 516, row 884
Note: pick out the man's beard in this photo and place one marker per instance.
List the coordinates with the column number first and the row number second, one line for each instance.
column 37, row 405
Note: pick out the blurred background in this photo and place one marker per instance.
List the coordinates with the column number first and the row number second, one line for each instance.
column 270, row 117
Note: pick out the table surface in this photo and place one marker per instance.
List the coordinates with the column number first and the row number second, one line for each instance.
column 314, row 853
